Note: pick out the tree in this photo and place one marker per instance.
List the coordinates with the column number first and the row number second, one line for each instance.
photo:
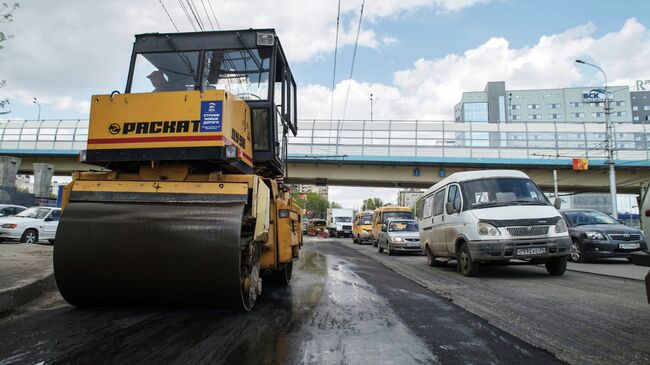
column 418, row 204
column 6, row 16
column 335, row 205
column 372, row 204
column 315, row 205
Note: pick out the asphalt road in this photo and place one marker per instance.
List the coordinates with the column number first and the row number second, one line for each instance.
column 582, row 318
column 350, row 305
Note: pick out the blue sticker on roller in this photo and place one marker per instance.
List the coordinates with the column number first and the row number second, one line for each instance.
column 211, row 116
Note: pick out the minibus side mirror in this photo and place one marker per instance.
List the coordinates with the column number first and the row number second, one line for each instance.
column 557, row 203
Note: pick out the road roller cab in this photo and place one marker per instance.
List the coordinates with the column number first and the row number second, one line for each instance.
column 207, row 96
column 192, row 209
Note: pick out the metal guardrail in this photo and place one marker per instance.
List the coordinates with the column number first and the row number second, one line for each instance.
column 52, row 135
column 332, row 140
column 410, row 138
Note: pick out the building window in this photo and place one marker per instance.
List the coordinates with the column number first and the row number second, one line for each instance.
column 534, row 106
column 635, row 108
column 516, row 117
column 554, row 106
column 555, row 116
column 619, row 114
column 502, row 108
column 475, row 112
column 574, row 104
column 636, row 119
column 576, row 115
column 620, row 103
column 597, row 114
column 646, row 107
column 534, row 116
column 515, row 107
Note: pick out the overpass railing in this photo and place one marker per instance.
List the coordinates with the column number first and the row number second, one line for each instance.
column 346, row 139
column 44, row 135
column 417, row 138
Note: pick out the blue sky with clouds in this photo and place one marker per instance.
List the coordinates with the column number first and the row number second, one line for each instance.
column 430, row 33
column 415, row 56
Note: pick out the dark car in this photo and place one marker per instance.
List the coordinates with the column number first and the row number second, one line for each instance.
column 597, row 235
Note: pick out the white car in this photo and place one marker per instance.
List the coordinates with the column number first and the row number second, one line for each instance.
column 31, row 225
column 7, row 210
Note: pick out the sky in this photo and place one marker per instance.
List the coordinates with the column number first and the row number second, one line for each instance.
column 415, row 56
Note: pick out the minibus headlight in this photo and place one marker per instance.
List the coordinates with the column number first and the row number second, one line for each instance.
column 486, row 229
column 560, row 226
column 397, row 239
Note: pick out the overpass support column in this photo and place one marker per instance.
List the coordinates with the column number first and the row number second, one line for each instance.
column 8, row 169
column 43, row 173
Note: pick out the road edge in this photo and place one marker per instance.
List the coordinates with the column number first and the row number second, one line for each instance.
column 13, row 297
column 608, row 275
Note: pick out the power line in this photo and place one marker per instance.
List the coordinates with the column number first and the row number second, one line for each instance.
column 215, row 17
column 195, row 14
column 187, row 14
column 206, row 14
column 169, row 16
column 336, row 47
column 354, row 55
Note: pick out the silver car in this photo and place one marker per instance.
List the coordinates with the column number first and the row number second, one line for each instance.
column 399, row 235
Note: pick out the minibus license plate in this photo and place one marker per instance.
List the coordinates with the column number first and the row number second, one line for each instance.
column 629, row 246
column 531, row 251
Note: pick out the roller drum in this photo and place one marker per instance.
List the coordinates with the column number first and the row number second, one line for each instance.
column 150, row 254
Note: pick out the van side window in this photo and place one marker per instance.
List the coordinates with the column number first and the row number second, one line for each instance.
column 426, row 207
column 454, row 197
column 439, row 202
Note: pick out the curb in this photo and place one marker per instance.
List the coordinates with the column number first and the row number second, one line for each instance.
column 13, row 297
column 607, row 275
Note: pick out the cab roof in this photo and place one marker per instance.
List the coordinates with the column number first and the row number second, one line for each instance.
column 393, row 208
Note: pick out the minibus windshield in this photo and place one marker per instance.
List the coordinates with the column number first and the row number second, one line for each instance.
column 397, row 215
column 492, row 192
column 366, row 219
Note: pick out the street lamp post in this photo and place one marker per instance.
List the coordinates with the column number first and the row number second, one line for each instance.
column 608, row 142
column 39, row 108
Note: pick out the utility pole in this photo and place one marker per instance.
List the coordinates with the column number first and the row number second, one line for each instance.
column 371, row 107
column 39, row 108
column 608, row 143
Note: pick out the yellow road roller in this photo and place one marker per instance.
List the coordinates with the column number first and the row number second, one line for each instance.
column 190, row 208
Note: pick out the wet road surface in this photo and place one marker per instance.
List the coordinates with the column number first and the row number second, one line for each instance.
column 343, row 307
column 582, row 318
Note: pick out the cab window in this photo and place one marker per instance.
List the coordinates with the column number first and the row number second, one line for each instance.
column 55, row 216
column 439, row 202
column 453, row 197
column 426, row 207
column 165, row 71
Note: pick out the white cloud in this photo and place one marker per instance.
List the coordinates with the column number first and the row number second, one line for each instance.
column 65, row 51
column 353, row 197
column 431, row 87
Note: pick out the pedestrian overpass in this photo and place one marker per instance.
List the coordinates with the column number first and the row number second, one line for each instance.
column 399, row 153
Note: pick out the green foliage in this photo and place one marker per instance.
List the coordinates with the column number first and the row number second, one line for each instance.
column 315, row 205
column 335, row 205
column 372, row 204
column 418, row 204
column 6, row 16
